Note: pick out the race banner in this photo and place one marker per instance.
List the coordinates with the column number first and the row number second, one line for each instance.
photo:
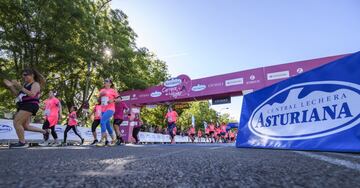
column 316, row 110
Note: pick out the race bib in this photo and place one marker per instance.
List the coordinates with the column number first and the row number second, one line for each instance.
column 98, row 113
column 19, row 97
column 170, row 119
column 104, row 100
column 47, row 112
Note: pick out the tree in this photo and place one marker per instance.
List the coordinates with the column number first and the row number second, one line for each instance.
column 65, row 41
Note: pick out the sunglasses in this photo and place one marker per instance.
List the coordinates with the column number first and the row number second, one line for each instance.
column 107, row 81
column 25, row 74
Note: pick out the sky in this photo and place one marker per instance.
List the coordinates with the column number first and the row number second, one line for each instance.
column 203, row 38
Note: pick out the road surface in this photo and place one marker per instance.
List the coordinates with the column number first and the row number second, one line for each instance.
column 183, row 165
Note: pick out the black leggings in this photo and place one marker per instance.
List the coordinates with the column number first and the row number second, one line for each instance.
column 68, row 129
column 46, row 125
column 135, row 133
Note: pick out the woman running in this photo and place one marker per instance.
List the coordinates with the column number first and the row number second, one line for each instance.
column 137, row 128
column 223, row 132
column 192, row 134
column 199, row 135
column 97, row 111
column 108, row 97
column 212, row 132
column 217, row 134
column 207, row 134
column 120, row 107
column 171, row 118
column 27, row 103
column 71, row 124
column 52, row 113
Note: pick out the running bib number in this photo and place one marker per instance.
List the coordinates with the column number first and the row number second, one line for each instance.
column 98, row 113
column 104, row 100
column 47, row 112
column 170, row 119
column 19, row 97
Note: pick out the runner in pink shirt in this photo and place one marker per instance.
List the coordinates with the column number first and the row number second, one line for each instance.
column 108, row 96
column 171, row 118
column 71, row 124
column 97, row 112
column 137, row 127
column 120, row 107
column 192, row 134
column 217, row 133
column 52, row 113
column 223, row 132
column 199, row 135
column 207, row 134
column 212, row 132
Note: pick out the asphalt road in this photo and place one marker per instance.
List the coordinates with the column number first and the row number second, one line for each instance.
column 175, row 166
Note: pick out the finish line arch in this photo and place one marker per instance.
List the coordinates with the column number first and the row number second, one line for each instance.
column 183, row 89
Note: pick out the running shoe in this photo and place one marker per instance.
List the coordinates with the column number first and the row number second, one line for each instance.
column 101, row 143
column 44, row 144
column 56, row 144
column 94, row 142
column 118, row 142
column 82, row 141
column 106, row 143
column 19, row 145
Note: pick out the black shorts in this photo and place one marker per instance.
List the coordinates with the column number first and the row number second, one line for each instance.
column 207, row 134
column 211, row 132
column 223, row 134
column 118, row 121
column 192, row 135
column 95, row 124
column 28, row 107
column 218, row 135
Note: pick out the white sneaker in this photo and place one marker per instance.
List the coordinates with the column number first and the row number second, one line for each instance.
column 44, row 144
column 56, row 144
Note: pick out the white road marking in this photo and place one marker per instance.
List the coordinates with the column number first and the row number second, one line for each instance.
column 331, row 160
column 347, row 155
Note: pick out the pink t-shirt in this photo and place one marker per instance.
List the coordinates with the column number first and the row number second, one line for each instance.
column 119, row 110
column 171, row 116
column 218, row 130
column 51, row 112
column 106, row 95
column 97, row 112
column 72, row 119
column 223, row 128
column 207, row 130
column 192, row 130
column 199, row 133
column 212, row 127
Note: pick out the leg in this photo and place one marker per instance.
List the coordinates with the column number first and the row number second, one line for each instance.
column 46, row 128
column 21, row 118
column 76, row 132
column 93, row 128
column 105, row 119
column 28, row 127
column 67, row 129
column 53, row 133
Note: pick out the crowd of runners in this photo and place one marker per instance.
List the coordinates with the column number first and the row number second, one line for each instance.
column 109, row 105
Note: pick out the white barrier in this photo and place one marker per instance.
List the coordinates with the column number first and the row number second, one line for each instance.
column 8, row 132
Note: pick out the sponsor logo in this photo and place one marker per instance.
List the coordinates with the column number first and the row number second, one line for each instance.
column 305, row 111
column 252, row 77
column 233, row 82
column 278, row 75
column 143, row 95
column 172, row 82
column 299, row 70
column 198, row 87
column 58, row 130
column 125, row 98
column 156, row 94
column 5, row 128
column 219, row 84
column 122, row 131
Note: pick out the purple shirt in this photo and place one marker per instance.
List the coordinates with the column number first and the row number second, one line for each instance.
column 119, row 110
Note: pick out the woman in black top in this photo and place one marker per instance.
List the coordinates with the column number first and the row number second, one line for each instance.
column 27, row 103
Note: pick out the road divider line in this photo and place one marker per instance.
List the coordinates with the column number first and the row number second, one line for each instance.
column 335, row 161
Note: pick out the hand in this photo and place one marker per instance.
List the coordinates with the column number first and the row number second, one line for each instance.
column 8, row 83
column 16, row 84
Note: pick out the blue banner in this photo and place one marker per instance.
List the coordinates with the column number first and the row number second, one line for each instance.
column 316, row 110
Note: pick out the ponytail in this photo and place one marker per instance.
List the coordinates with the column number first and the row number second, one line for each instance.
column 37, row 76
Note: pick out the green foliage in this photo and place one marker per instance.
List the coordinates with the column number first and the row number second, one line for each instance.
column 65, row 40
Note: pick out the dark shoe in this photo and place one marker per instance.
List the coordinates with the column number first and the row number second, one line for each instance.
column 94, row 142
column 19, row 145
column 106, row 143
column 118, row 142
column 82, row 141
